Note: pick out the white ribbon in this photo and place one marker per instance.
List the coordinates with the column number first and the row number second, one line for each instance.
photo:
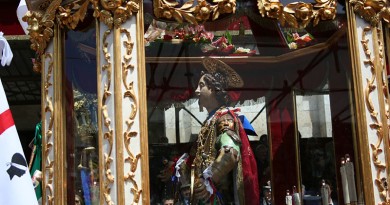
column 207, row 174
column 20, row 12
column 19, row 166
column 6, row 55
column 182, row 159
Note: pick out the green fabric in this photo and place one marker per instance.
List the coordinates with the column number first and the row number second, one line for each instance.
column 37, row 163
column 226, row 140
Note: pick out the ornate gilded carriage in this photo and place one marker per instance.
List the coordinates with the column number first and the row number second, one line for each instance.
column 118, row 81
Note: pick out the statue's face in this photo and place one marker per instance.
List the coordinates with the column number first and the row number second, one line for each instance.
column 204, row 93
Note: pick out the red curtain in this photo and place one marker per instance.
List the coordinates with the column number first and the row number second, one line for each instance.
column 282, row 132
column 9, row 23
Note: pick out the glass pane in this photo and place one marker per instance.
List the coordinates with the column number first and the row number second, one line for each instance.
column 280, row 81
column 386, row 36
column 316, row 146
column 80, row 88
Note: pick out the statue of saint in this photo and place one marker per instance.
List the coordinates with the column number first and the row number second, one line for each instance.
column 220, row 168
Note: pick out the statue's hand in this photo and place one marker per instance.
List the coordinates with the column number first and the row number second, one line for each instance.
column 200, row 191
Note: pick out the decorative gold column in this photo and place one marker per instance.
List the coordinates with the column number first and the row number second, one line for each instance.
column 48, row 161
column 142, row 116
column 122, row 177
column 371, row 95
column 120, row 67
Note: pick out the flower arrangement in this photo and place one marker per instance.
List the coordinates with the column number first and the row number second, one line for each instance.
column 295, row 40
column 188, row 33
column 224, row 46
column 195, row 34
column 173, row 32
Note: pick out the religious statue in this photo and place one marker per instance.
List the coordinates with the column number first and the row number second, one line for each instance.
column 220, row 168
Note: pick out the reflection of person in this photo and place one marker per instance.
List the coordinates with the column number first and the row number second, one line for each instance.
column 262, row 157
column 78, row 200
column 185, row 193
column 267, row 196
column 224, row 169
column 168, row 202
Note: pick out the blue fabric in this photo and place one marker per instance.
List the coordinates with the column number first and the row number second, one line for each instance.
column 247, row 126
column 85, row 182
column 219, row 198
column 211, row 113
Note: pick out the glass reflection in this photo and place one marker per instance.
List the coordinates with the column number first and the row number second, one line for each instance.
column 258, row 50
column 81, row 117
column 316, row 148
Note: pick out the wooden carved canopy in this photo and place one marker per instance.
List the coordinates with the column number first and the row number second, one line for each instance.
column 43, row 14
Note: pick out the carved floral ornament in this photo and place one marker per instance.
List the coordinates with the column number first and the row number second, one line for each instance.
column 372, row 11
column 191, row 12
column 43, row 14
column 298, row 14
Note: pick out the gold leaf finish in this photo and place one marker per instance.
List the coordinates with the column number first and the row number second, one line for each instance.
column 191, row 12
column 71, row 14
column 376, row 124
column 48, row 147
column 114, row 12
column 385, row 93
column 372, row 11
column 129, row 93
column 108, row 134
column 40, row 27
column 40, row 22
column 298, row 14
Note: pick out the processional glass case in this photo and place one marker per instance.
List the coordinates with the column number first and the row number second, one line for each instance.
column 296, row 91
column 297, row 95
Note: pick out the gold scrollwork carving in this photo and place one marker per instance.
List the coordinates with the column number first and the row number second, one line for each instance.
column 107, row 135
column 376, row 124
column 192, row 12
column 40, row 28
column 128, row 134
column 40, row 22
column 114, row 12
column 385, row 93
column 372, row 11
column 384, row 77
column 298, row 14
column 70, row 16
column 49, row 132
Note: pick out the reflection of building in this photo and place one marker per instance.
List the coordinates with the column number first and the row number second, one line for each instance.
column 190, row 126
column 314, row 116
column 142, row 92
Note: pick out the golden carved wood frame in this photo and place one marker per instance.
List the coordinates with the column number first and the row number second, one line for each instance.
column 46, row 19
column 374, row 12
column 114, row 13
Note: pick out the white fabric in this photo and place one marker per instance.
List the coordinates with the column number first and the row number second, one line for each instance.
column 20, row 12
column 181, row 160
column 207, row 174
column 19, row 190
column 3, row 99
column 6, row 54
